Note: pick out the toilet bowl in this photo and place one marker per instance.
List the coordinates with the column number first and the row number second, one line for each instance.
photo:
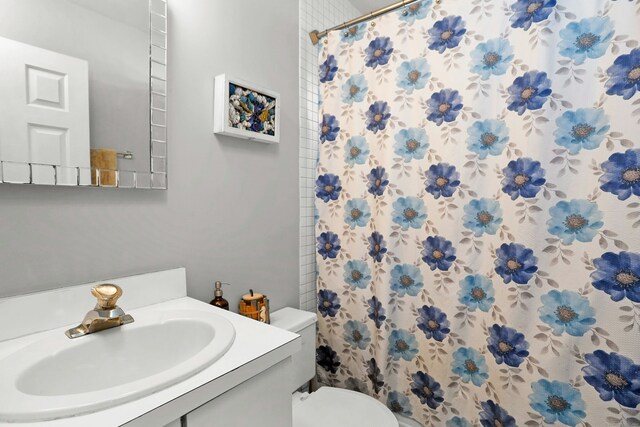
column 327, row 406
column 340, row 408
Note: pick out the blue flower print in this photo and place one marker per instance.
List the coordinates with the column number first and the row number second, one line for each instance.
column 328, row 187
column 328, row 303
column 438, row 252
column 433, row 322
column 457, row 422
column 507, row 345
column 329, row 128
column 588, row 38
column 413, row 75
column 406, row 279
column 415, row 11
column 584, row 128
column 377, row 116
column 377, row 246
column 442, row 180
column 446, row 33
column 357, row 274
column 523, row 177
column 354, row 33
column 624, row 75
column 614, row 377
column 328, row 245
column 327, row 359
column 493, row 415
column 402, row 345
column 491, row 58
column 568, row 312
column 427, row 389
column 356, row 334
column 376, row 311
column 557, row 401
column 378, row 52
column 577, row 219
column 529, row 92
column 378, row 181
column 354, row 89
column 476, row 292
column 482, row 216
column 375, row 375
column 488, row 137
column 515, row 262
column 470, row 365
column 328, row 69
column 526, row 12
column 409, row 212
column 356, row 151
column 622, row 174
column 444, row 106
column 357, row 213
column 411, row 143
column 399, row 404
column 618, row 275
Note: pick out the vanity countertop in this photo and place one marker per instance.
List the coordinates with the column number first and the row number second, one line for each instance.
column 257, row 347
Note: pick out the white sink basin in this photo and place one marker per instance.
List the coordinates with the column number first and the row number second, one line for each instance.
column 57, row 377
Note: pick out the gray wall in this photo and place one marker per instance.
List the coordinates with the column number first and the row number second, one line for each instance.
column 231, row 211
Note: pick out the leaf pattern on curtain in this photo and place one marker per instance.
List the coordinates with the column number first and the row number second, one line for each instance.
column 478, row 212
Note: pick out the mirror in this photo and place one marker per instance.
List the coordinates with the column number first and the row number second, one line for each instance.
column 83, row 93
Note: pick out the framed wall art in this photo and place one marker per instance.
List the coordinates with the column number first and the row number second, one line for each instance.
column 245, row 110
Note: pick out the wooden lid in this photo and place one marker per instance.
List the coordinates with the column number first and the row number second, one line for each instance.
column 252, row 296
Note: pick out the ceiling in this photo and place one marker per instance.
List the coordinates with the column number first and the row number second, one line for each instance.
column 367, row 6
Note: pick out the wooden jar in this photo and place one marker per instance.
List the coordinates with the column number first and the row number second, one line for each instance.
column 255, row 306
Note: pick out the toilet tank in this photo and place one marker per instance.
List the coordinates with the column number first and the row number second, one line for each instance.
column 302, row 323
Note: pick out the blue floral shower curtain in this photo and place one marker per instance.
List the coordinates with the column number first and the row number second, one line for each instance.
column 478, row 232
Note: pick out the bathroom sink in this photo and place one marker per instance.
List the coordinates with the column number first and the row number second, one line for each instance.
column 56, row 377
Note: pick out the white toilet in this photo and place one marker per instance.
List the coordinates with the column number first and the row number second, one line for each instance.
column 328, row 406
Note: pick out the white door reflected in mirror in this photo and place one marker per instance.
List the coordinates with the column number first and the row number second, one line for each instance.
column 45, row 108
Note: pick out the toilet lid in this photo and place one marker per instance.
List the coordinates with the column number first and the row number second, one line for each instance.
column 341, row 408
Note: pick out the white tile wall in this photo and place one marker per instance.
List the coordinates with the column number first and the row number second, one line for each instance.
column 314, row 15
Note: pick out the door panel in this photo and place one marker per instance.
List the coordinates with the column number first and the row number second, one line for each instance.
column 46, row 88
column 45, row 113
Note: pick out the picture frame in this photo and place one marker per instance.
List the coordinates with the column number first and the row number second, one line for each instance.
column 246, row 110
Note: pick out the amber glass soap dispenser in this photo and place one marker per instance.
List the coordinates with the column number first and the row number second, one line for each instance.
column 218, row 301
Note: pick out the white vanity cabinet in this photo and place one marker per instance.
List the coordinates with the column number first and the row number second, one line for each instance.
column 263, row 400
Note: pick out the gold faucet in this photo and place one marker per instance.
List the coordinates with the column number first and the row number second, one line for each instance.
column 105, row 315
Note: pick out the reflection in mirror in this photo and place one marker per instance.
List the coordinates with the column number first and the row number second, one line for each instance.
column 83, row 92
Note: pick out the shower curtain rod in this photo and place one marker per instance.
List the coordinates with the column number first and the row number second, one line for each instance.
column 316, row 36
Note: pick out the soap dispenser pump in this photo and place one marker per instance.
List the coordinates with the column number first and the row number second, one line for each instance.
column 218, row 301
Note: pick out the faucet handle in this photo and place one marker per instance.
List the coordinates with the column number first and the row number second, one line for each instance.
column 107, row 295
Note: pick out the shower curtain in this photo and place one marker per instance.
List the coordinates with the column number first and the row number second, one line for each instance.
column 478, row 212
